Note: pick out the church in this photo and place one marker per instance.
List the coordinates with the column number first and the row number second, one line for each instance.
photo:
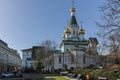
column 75, row 51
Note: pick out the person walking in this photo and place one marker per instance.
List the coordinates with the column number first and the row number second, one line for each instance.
column 78, row 77
column 88, row 77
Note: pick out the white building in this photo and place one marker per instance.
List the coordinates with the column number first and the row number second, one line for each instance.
column 76, row 51
column 9, row 59
column 27, row 61
column 28, row 57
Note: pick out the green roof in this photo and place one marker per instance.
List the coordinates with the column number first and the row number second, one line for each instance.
column 73, row 20
column 57, row 50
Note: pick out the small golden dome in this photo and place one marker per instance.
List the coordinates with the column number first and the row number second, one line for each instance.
column 68, row 30
column 82, row 31
column 72, row 9
column 63, row 36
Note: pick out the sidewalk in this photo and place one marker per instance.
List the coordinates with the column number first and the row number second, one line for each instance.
column 71, row 78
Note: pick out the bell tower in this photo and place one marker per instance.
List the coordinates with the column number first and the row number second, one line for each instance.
column 73, row 23
column 73, row 36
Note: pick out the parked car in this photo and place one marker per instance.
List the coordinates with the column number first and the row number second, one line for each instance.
column 7, row 74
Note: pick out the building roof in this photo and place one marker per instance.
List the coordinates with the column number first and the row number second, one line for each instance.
column 3, row 43
column 68, row 30
column 73, row 20
column 38, row 47
column 74, row 42
column 57, row 51
column 82, row 31
column 29, row 49
column 34, row 47
column 93, row 39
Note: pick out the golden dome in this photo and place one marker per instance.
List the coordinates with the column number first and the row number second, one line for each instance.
column 64, row 36
column 68, row 30
column 72, row 9
column 82, row 31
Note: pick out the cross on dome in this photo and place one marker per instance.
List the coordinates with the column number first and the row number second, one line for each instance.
column 72, row 9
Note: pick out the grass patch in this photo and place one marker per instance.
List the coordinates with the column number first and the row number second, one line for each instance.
column 49, row 78
column 55, row 78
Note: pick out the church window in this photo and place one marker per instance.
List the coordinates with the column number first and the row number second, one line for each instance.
column 60, row 59
column 72, row 59
column 73, row 32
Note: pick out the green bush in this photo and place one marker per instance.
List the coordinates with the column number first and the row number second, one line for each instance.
column 110, row 74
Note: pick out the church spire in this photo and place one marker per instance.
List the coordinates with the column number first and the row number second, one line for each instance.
column 73, row 19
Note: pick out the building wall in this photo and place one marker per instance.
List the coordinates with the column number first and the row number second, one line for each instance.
column 9, row 58
column 27, row 60
column 81, row 59
column 91, row 60
column 66, row 47
column 58, row 64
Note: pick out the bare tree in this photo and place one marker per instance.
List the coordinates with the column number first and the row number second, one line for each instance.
column 102, row 48
column 110, row 25
column 110, row 20
column 42, row 52
column 114, row 44
column 49, row 45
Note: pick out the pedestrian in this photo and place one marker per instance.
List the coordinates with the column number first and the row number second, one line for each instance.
column 78, row 77
column 88, row 77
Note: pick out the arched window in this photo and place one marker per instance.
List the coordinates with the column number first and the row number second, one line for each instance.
column 74, row 32
column 84, row 59
column 60, row 59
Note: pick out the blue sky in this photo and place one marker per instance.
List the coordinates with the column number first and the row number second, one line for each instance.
column 25, row 23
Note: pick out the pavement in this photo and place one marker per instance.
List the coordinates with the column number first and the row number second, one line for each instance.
column 71, row 78
column 31, row 76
